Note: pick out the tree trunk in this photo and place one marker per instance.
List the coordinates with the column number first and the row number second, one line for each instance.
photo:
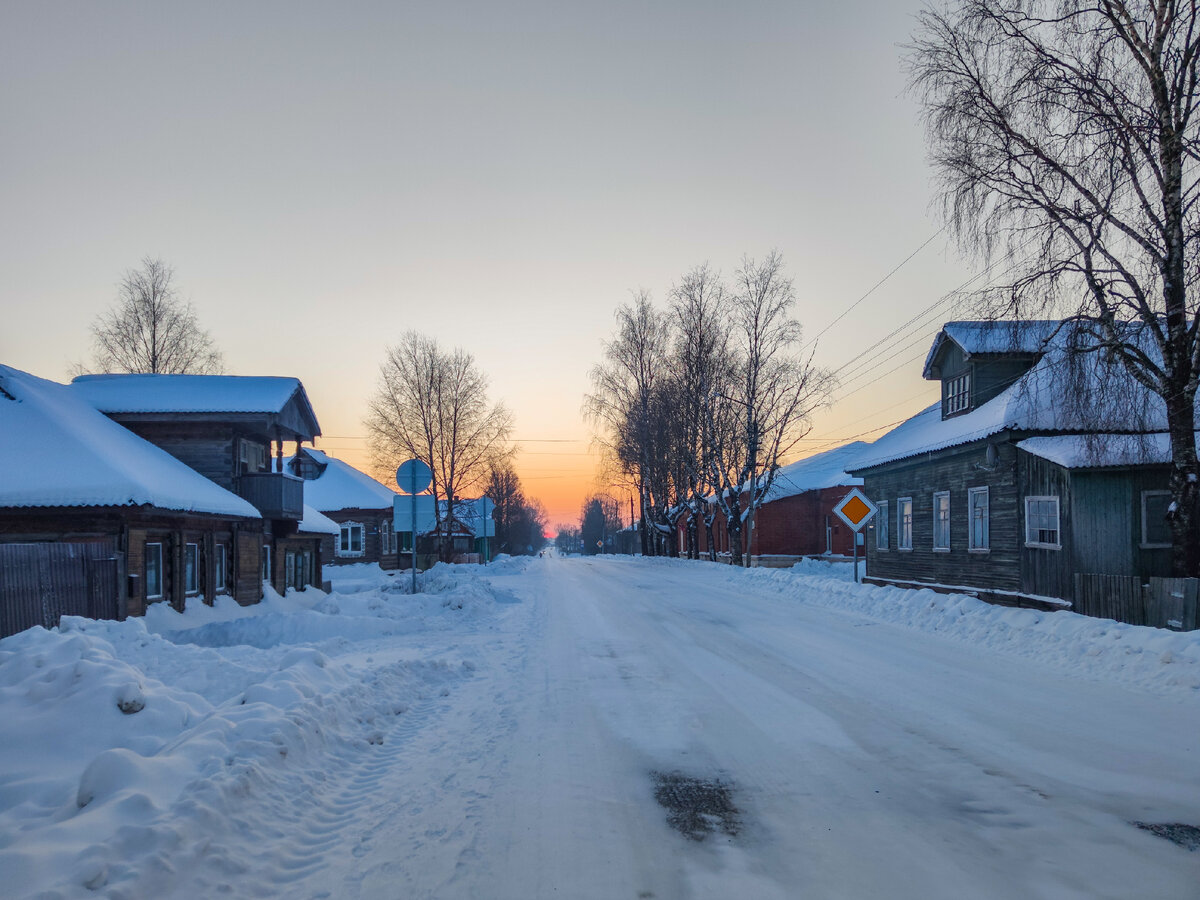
column 734, row 525
column 1185, row 483
column 709, row 518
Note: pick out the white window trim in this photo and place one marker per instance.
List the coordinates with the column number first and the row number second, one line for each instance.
column 900, row 501
column 972, row 493
column 189, row 590
column 161, row 580
column 1057, row 522
column 882, row 533
column 222, row 570
column 1145, row 544
column 941, row 548
column 958, row 400
column 266, row 561
column 362, row 540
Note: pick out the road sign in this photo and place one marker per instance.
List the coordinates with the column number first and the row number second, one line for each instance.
column 855, row 509
column 413, row 477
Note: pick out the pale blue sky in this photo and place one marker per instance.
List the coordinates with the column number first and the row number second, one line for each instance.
column 499, row 175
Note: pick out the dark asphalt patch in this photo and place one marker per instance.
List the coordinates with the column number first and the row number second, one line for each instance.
column 1186, row 836
column 697, row 807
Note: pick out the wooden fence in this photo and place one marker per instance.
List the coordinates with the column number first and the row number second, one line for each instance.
column 40, row 583
column 1158, row 602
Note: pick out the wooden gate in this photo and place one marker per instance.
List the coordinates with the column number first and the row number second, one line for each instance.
column 40, row 583
column 1158, row 602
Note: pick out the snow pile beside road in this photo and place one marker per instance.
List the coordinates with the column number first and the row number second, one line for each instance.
column 119, row 739
column 1133, row 655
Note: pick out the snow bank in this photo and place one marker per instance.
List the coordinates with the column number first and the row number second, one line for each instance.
column 1137, row 656
column 119, row 737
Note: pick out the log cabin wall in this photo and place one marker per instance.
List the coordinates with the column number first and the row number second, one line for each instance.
column 954, row 470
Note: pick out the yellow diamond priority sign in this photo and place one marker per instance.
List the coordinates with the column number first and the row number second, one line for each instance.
column 855, row 509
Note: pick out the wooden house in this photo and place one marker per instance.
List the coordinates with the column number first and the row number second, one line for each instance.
column 231, row 429
column 95, row 521
column 360, row 505
column 1038, row 466
column 796, row 517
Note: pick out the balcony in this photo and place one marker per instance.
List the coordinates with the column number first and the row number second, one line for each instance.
column 274, row 494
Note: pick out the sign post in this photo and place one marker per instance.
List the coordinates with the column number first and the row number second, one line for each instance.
column 413, row 477
column 856, row 511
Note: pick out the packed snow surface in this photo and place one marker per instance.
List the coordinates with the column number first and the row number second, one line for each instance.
column 600, row 728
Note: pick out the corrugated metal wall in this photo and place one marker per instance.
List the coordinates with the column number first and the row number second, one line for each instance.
column 40, row 583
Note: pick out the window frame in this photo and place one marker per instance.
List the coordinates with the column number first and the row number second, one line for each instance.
column 221, row 574
column 937, row 523
column 901, row 543
column 267, row 572
column 958, row 394
column 882, row 537
column 1146, row 543
column 191, row 569
column 972, row 494
column 346, row 535
column 1044, row 545
column 158, row 553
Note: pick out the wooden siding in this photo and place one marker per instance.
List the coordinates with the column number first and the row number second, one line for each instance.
column 1108, row 522
column 371, row 520
column 958, row 470
column 1044, row 571
column 130, row 529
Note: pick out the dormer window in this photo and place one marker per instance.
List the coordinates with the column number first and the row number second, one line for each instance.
column 958, row 394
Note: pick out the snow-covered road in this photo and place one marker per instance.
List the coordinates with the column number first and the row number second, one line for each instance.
column 516, row 753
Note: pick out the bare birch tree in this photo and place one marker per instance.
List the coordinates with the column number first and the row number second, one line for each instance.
column 700, row 314
column 151, row 329
column 766, row 406
column 624, row 386
column 1065, row 135
column 431, row 404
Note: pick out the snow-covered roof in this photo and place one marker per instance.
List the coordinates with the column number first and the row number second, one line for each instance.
column 186, row 393
column 824, row 470
column 1086, row 451
column 341, row 486
column 57, row 450
column 1061, row 393
column 315, row 522
column 1025, row 337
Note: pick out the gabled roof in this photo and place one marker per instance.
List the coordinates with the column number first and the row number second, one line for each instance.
column 282, row 400
column 341, row 486
column 824, row 470
column 316, row 523
column 1022, row 337
column 56, row 450
column 1061, row 393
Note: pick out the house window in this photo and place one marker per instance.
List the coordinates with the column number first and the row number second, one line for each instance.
column 1156, row 532
column 266, row 563
column 958, row 394
column 904, row 523
column 1041, row 522
column 252, row 457
column 881, row 526
column 222, row 555
column 298, row 566
column 977, row 503
column 350, row 542
column 387, row 538
column 941, row 520
column 191, row 568
column 154, row 572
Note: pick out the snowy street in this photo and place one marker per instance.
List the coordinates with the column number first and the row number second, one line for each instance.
column 508, row 741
